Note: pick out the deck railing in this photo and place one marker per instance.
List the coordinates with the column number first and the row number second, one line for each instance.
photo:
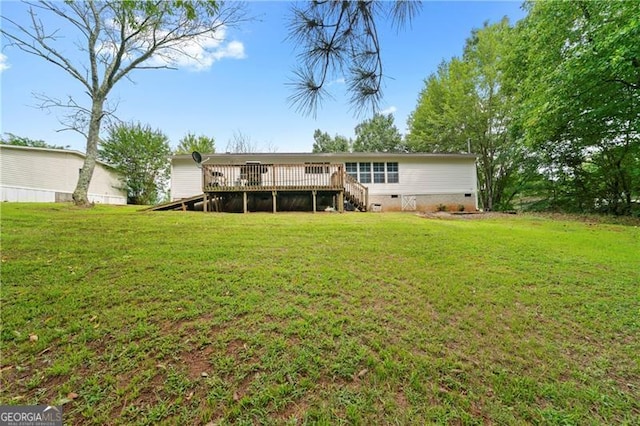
column 272, row 177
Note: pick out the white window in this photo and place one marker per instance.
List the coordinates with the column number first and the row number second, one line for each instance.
column 365, row 172
column 378, row 173
column 352, row 170
column 392, row 173
column 373, row 172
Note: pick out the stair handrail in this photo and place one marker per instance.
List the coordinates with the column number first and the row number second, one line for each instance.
column 357, row 192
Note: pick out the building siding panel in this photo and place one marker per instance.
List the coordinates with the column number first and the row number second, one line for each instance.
column 29, row 195
column 186, row 179
column 33, row 174
column 433, row 177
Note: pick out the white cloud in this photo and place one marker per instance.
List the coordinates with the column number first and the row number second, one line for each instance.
column 233, row 49
column 200, row 53
column 336, row 81
column 197, row 54
column 3, row 62
column 392, row 109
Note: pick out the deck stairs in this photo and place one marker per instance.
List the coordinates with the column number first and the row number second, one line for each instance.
column 183, row 204
column 355, row 193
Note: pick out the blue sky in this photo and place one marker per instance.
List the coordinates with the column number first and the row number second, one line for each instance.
column 244, row 91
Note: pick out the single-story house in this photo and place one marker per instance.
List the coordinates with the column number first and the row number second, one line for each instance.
column 366, row 181
column 30, row 174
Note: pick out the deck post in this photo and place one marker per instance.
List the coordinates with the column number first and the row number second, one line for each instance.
column 366, row 198
column 205, row 200
column 314, row 200
column 273, row 177
column 341, row 201
column 273, row 195
column 244, row 202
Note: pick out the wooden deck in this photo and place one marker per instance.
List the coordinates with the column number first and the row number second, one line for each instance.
column 224, row 184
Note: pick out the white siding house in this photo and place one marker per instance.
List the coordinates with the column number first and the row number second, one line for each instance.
column 29, row 174
column 395, row 181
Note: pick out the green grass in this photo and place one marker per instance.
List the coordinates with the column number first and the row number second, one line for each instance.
column 328, row 318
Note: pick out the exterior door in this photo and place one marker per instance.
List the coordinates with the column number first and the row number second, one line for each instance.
column 408, row 202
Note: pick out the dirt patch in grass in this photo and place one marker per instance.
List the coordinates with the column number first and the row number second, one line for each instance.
column 464, row 215
column 401, row 400
column 184, row 325
column 588, row 219
column 52, row 385
column 242, row 388
column 236, row 346
column 33, row 380
column 294, row 410
column 150, row 393
column 197, row 361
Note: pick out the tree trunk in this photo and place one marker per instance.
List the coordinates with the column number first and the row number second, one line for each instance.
column 488, row 196
column 81, row 193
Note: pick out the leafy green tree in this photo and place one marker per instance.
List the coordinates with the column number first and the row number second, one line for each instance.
column 341, row 38
column 440, row 122
column 464, row 106
column 191, row 142
column 141, row 155
column 325, row 143
column 342, row 144
column 116, row 38
column 11, row 139
column 576, row 66
column 378, row 134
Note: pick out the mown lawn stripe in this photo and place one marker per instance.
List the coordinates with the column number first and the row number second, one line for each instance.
column 188, row 318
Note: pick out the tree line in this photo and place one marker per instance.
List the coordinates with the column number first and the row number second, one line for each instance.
column 376, row 134
column 551, row 107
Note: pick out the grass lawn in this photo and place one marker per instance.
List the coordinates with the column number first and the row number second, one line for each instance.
column 356, row 318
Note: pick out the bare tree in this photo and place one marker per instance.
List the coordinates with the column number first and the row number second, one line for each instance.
column 115, row 38
column 339, row 39
column 241, row 143
column 270, row 147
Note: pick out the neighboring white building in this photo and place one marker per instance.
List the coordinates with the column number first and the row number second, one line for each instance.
column 395, row 181
column 29, row 174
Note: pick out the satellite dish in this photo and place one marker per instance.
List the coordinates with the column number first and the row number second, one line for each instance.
column 196, row 157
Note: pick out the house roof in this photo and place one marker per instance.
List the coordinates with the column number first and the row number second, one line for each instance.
column 325, row 155
column 55, row 150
